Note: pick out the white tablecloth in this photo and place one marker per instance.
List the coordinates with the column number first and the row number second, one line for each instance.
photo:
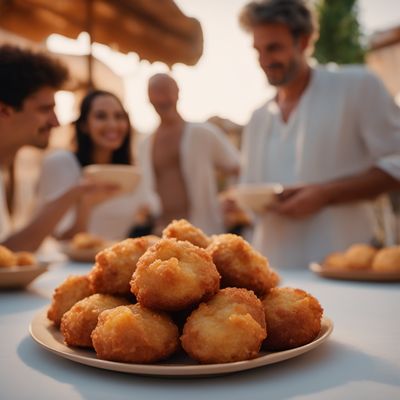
column 361, row 360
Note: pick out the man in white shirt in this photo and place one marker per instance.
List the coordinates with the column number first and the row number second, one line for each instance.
column 180, row 159
column 331, row 137
column 28, row 82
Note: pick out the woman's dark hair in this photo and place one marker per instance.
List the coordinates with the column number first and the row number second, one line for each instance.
column 84, row 143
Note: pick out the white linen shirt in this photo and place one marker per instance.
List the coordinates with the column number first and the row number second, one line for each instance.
column 345, row 123
column 111, row 219
column 203, row 148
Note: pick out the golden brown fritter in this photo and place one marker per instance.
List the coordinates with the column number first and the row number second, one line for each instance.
column 85, row 240
column 7, row 257
column 173, row 275
column 73, row 289
column 25, row 258
column 240, row 265
column 229, row 327
column 293, row 318
column 335, row 260
column 78, row 323
column 183, row 230
column 360, row 256
column 134, row 334
column 387, row 260
column 115, row 265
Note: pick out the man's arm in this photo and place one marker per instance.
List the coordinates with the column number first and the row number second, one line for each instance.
column 86, row 195
column 299, row 202
column 30, row 237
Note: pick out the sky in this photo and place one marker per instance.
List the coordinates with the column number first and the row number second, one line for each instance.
column 226, row 81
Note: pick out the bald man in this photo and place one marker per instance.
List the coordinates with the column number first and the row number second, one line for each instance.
column 182, row 157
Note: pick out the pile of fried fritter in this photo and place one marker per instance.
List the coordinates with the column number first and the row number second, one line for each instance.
column 215, row 298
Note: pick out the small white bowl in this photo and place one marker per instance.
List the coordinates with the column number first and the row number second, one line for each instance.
column 127, row 177
column 257, row 197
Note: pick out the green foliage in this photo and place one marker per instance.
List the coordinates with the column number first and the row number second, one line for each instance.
column 340, row 35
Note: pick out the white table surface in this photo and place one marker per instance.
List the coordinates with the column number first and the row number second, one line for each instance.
column 361, row 360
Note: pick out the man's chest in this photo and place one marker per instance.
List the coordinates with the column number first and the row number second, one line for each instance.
column 166, row 151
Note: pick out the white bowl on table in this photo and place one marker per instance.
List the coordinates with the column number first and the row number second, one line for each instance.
column 257, row 197
column 127, row 177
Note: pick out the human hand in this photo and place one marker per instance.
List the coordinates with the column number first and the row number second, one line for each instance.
column 95, row 192
column 301, row 201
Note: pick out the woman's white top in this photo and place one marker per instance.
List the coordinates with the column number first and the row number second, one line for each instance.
column 111, row 219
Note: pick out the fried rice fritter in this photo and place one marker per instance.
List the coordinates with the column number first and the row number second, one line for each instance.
column 25, row 258
column 115, row 265
column 78, row 323
column 85, row 240
column 73, row 289
column 134, row 334
column 183, row 230
column 7, row 257
column 360, row 256
column 293, row 318
column 173, row 275
column 240, row 265
column 229, row 327
column 387, row 260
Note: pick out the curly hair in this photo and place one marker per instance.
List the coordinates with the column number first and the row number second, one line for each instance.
column 84, row 144
column 24, row 72
column 296, row 14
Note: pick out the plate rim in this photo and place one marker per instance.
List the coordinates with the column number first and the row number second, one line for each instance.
column 354, row 275
column 25, row 268
column 190, row 370
column 21, row 276
column 81, row 255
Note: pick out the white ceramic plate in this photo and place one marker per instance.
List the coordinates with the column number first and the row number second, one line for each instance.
column 257, row 197
column 127, row 177
column 81, row 255
column 44, row 333
column 20, row 276
column 354, row 275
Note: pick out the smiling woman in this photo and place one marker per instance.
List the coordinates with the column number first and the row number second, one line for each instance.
column 103, row 136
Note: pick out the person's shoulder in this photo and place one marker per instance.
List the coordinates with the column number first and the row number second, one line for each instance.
column 260, row 113
column 203, row 128
column 349, row 75
column 59, row 156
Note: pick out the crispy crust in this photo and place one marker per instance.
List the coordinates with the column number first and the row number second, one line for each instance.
column 240, row 265
column 183, row 230
column 115, row 265
column 78, row 323
column 173, row 275
column 73, row 289
column 293, row 318
column 229, row 327
column 134, row 334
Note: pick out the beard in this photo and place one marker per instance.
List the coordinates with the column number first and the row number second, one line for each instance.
column 278, row 74
column 41, row 140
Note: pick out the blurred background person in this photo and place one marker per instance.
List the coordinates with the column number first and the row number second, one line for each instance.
column 181, row 158
column 330, row 136
column 103, row 135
